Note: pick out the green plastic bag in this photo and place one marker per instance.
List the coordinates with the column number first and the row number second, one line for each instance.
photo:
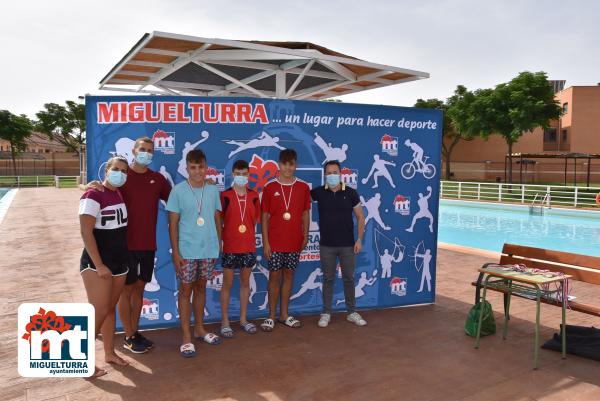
column 488, row 323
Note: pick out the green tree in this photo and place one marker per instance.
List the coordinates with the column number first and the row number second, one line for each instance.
column 513, row 109
column 450, row 134
column 15, row 129
column 64, row 124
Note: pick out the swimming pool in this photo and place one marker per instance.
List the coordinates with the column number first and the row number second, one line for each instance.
column 489, row 226
column 6, row 197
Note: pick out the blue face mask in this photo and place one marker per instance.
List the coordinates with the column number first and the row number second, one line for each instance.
column 116, row 178
column 143, row 158
column 240, row 180
column 333, row 180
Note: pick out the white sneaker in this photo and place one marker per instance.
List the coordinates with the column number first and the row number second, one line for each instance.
column 324, row 320
column 357, row 319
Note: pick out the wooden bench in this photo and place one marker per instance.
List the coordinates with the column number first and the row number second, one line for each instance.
column 581, row 267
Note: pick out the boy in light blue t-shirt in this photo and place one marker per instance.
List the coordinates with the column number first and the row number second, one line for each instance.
column 195, row 231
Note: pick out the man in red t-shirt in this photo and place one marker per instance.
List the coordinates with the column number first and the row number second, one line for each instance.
column 142, row 191
column 285, row 222
column 241, row 212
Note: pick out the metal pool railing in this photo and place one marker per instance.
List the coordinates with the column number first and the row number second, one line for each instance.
column 24, row 181
column 554, row 195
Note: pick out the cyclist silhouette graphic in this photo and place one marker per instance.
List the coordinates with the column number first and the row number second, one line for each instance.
column 418, row 164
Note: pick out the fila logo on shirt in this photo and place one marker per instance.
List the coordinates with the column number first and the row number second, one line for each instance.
column 113, row 218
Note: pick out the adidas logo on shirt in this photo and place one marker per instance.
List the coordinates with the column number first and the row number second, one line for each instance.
column 276, row 194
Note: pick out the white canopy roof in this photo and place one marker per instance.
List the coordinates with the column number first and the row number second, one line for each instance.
column 171, row 64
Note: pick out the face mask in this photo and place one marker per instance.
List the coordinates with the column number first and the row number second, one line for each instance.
column 116, row 178
column 240, row 180
column 143, row 158
column 333, row 180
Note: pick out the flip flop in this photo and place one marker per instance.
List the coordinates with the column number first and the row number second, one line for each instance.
column 267, row 325
column 249, row 328
column 210, row 338
column 227, row 332
column 291, row 322
column 187, row 350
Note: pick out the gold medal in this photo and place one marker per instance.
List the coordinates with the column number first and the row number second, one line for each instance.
column 242, row 228
column 200, row 221
column 287, row 215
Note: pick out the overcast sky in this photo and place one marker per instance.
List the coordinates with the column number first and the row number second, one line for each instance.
column 57, row 50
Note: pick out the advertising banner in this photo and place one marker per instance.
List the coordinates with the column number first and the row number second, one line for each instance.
column 390, row 155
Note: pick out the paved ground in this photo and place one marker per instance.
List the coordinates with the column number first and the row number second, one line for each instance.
column 416, row 353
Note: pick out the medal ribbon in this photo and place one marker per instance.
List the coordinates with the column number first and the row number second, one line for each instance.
column 242, row 213
column 198, row 203
column 286, row 201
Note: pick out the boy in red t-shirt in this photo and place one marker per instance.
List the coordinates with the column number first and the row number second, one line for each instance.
column 285, row 223
column 241, row 212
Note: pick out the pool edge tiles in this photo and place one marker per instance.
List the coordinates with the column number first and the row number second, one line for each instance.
column 448, row 246
column 5, row 202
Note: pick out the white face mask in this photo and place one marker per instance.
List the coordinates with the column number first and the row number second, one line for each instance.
column 333, row 180
column 144, row 158
column 116, row 178
column 240, row 180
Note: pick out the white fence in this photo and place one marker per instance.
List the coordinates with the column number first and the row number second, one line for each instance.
column 23, row 181
column 556, row 195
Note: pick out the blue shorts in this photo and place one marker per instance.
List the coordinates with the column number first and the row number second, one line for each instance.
column 238, row 260
column 284, row 260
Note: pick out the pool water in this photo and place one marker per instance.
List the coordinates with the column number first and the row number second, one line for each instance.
column 5, row 201
column 489, row 226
